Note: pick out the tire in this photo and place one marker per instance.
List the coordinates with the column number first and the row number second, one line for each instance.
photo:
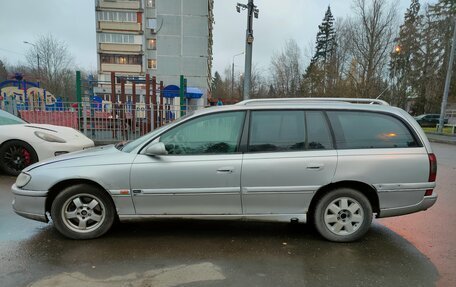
column 83, row 211
column 343, row 215
column 15, row 155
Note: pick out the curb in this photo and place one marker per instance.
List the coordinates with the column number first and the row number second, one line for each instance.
column 441, row 138
column 442, row 141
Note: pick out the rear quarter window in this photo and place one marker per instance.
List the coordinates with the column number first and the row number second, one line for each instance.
column 361, row 130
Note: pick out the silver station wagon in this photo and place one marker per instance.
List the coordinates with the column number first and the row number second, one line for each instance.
column 332, row 162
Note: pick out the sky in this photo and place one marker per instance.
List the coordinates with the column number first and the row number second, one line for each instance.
column 73, row 21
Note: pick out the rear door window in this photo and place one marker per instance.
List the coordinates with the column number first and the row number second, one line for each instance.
column 318, row 134
column 288, row 130
column 360, row 130
column 277, row 131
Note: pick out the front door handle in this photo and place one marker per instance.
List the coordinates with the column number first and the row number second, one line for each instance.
column 226, row 169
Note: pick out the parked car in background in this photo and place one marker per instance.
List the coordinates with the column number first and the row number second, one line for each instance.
column 23, row 144
column 335, row 164
column 429, row 120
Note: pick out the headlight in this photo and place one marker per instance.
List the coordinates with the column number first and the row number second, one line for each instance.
column 23, row 179
column 49, row 138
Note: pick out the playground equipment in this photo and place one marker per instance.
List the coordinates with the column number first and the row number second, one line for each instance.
column 123, row 108
column 19, row 94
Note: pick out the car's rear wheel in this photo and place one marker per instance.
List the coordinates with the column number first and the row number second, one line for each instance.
column 343, row 215
column 83, row 211
column 16, row 155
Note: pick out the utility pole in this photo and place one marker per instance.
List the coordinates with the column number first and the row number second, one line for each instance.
column 448, row 80
column 252, row 11
column 232, row 74
column 37, row 58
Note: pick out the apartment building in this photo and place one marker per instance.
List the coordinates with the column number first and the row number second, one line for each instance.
column 165, row 38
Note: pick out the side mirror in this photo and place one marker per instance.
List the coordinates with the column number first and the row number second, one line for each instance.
column 156, row 149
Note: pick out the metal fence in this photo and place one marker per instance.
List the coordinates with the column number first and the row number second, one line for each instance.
column 451, row 115
column 104, row 122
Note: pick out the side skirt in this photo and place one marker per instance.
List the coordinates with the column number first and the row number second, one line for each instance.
column 301, row 218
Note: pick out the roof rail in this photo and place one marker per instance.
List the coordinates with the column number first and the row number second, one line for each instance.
column 307, row 100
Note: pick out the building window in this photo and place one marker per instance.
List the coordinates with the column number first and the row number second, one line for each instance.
column 121, row 59
column 152, row 23
column 152, row 64
column 150, row 3
column 152, row 43
column 114, row 16
column 116, row 38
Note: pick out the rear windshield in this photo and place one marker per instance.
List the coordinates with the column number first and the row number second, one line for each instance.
column 360, row 130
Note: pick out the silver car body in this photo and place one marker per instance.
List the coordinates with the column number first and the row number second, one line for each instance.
column 277, row 186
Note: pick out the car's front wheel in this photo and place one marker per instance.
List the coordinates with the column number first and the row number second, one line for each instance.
column 82, row 211
column 343, row 215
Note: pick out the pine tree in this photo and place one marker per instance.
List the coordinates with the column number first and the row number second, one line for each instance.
column 217, row 86
column 404, row 69
column 444, row 13
column 432, row 60
column 325, row 43
column 319, row 77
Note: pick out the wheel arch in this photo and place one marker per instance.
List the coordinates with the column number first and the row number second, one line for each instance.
column 368, row 190
column 58, row 187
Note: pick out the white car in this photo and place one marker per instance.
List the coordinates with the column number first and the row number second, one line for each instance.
column 22, row 144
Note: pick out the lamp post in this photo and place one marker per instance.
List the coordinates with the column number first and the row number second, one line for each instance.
column 232, row 74
column 37, row 58
column 447, row 80
column 252, row 11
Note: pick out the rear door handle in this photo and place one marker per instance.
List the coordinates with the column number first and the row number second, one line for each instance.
column 315, row 166
column 226, row 169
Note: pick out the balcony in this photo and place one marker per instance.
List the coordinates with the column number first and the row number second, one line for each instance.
column 121, row 68
column 123, row 5
column 122, row 48
column 119, row 26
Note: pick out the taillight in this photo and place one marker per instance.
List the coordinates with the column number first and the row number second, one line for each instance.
column 432, row 167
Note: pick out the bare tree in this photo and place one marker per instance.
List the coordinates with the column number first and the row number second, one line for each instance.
column 286, row 70
column 55, row 65
column 371, row 37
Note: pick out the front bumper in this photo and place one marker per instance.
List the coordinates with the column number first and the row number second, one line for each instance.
column 426, row 203
column 29, row 203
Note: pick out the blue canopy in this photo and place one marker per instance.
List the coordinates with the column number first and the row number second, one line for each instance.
column 172, row 91
column 193, row 93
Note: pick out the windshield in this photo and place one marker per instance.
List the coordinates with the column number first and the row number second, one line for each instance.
column 9, row 119
column 129, row 146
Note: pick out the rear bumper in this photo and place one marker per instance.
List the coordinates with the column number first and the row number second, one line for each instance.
column 426, row 203
column 30, row 204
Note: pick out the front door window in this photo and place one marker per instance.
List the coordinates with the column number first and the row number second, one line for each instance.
column 212, row 134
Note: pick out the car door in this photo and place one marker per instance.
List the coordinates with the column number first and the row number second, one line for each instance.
column 290, row 155
column 201, row 173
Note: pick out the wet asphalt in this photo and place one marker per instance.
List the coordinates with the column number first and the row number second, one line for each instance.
column 221, row 253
